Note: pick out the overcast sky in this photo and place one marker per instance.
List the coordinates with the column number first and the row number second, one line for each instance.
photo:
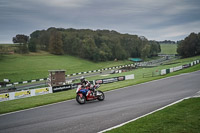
column 154, row 19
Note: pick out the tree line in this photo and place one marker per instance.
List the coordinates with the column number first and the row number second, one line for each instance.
column 99, row 45
column 167, row 42
column 190, row 46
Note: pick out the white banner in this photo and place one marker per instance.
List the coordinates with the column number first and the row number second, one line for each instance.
column 163, row 72
column 6, row 80
column 178, row 68
column 171, row 70
column 132, row 76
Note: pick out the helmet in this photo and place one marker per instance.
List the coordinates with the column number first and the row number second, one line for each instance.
column 82, row 79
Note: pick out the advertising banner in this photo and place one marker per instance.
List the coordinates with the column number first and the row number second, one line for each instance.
column 22, row 94
column 61, row 88
column 109, row 80
column 4, row 97
column 178, row 68
column 41, row 91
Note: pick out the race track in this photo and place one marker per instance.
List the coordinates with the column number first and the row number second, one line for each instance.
column 119, row 106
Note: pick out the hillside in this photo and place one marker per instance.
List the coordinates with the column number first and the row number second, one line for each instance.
column 36, row 65
column 168, row 48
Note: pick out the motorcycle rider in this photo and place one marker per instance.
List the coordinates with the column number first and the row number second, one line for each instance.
column 87, row 85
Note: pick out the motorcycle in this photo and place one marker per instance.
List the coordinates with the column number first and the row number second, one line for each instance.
column 85, row 94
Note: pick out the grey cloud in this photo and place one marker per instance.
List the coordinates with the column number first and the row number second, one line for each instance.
column 143, row 17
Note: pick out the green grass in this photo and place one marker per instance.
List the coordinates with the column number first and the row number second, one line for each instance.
column 25, row 103
column 168, row 48
column 183, row 117
column 34, row 66
column 30, row 102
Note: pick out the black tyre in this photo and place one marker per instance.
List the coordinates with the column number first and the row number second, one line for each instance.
column 100, row 95
column 80, row 100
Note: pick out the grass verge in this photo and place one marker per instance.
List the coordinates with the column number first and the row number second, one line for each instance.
column 183, row 117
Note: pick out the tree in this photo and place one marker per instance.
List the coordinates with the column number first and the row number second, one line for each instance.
column 22, row 40
column 55, row 43
column 145, row 51
column 88, row 49
column 99, row 45
column 190, row 46
column 154, row 48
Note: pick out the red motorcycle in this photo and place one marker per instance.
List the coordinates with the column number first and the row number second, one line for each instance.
column 84, row 94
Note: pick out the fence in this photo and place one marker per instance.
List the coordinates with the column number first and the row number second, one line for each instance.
column 151, row 74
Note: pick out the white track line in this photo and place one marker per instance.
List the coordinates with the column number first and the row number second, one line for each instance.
column 143, row 115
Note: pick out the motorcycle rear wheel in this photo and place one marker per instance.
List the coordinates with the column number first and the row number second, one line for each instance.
column 80, row 100
column 101, row 96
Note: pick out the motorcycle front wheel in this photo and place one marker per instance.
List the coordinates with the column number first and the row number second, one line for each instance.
column 100, row 95
column 80, row 100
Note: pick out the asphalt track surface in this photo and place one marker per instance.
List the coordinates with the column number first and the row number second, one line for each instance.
column 119, row 106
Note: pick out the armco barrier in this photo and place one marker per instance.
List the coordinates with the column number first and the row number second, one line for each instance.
column 25, row 93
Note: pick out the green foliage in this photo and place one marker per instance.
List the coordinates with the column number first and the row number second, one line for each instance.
column 56, row 44
column 22, row 40
column 190, row 46
column 155, row 48
column 100, row 45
